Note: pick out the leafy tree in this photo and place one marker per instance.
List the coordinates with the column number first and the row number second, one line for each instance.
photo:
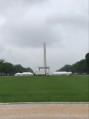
column 79, row 67
column 66, row 68
column 1, row 61
column 18, row 68
column 87, row 60
column 28, row 69
column 7, row 68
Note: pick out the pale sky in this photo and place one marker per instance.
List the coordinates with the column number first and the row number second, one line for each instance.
column 26, row 24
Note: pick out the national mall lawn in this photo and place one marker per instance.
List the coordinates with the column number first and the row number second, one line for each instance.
column 44, row 88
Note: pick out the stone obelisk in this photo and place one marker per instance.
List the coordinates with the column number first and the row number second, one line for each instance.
column 45, row 61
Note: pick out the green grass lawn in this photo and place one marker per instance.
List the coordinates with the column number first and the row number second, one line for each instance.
column 44, row 89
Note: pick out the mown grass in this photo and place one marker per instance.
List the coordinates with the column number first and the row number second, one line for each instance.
column 44, row 89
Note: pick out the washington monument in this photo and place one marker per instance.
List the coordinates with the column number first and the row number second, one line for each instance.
column 45, row 60
column 44, row 67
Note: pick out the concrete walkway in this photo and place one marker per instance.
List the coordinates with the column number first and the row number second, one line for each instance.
column 44, row 111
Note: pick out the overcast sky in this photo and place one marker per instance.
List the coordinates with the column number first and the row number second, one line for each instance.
column 26, row 24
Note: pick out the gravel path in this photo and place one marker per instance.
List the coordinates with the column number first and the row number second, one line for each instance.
column 44, row 111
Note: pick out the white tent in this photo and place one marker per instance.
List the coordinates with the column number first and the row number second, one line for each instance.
column 24, row 74
column 27, row 74
column 18, row 74
column 62, row 73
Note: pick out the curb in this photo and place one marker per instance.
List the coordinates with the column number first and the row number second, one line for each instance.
column 32, row 103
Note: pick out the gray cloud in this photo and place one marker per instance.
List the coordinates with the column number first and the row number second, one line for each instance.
column 78, row 21
column 33, row 35
column 34, row 1
column 26, row 24
column 17, row 6
column 27, row 27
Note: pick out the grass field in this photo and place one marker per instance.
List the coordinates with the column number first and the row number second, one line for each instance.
column 44, row 89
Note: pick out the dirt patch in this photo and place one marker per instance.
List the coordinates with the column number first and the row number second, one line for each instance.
column 44, row 111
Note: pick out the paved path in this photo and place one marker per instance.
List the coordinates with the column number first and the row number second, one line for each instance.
column 44, row 111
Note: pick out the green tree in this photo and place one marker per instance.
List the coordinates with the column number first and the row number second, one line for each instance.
column 7, row 68
column 18, row 68
column 66, row 68
column 87, row 60
column 1, row 61
column 78, row 67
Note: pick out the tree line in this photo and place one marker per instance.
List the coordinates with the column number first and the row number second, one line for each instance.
column 7, row 68
column 79, row 67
